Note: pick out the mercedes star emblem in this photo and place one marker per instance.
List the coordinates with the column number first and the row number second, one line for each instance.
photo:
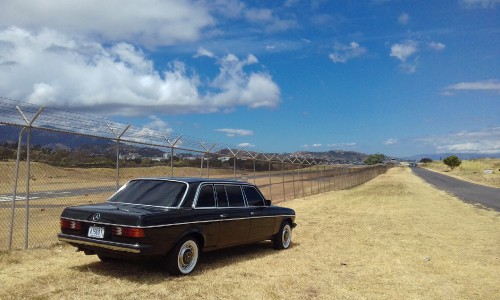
column 96, row 217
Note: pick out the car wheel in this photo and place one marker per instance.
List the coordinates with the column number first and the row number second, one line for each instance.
column 183, row 258
column 283, row 239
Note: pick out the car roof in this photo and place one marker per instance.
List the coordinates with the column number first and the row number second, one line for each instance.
column 194, row 180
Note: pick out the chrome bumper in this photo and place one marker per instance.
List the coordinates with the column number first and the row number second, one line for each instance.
column 77, row 240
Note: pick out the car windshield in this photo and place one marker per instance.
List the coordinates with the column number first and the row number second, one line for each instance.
column 151, row 192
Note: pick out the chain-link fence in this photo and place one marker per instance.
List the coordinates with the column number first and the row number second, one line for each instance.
column 50, row 159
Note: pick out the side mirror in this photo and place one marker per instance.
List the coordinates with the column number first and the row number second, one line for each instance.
column 267, row 202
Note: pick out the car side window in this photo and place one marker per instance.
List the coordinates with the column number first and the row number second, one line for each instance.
column 254, row 198
column 206, row 196
column 221, row 196
column 235, row 196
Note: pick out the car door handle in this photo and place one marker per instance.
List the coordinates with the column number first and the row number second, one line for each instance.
column 223, row 216
column 252, row 213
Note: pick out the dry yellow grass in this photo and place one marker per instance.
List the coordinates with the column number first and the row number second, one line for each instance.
column 49, row 178
column 393, row 238
column 472, row 170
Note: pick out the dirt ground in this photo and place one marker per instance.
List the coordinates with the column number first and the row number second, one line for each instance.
column 393, row 238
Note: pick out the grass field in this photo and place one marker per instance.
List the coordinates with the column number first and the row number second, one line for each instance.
column 471, row 170
column 47, row 178
column 44, row 213
column 393, row 238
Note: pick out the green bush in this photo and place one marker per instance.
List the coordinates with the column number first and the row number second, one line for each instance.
column 452, row 161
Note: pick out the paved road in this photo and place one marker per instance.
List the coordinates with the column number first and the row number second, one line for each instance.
column 469, row 192
column 57, row 194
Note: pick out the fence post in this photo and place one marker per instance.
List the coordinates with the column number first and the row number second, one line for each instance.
column 28, row 178
column 234, row 160
column 172, row 146
column 293, row 175
column 14, row 194
column 319, row 177
column 270, row 180
column 302, row 177
column 282, row 160
column 330, row 174
column 307, row 162
column 207, row 152
column 29, row 125
column 118, row 137
column 253, row 159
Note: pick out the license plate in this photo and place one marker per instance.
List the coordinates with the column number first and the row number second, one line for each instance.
column 96, row 232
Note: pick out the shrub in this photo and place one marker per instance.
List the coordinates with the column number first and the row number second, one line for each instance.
column 452, row 161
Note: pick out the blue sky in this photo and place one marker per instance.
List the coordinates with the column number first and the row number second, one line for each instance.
column 382, row 76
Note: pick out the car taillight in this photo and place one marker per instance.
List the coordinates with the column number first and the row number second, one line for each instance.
column 128, row 232
column 71, row 224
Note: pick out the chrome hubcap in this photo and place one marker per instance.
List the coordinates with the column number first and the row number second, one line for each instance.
column 188, row 256
column 286, row 238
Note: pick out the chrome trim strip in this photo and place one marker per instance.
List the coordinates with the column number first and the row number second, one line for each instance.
column 106, row 246
column 177, row 224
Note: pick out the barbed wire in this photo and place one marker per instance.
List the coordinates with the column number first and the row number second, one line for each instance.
column 62, row 121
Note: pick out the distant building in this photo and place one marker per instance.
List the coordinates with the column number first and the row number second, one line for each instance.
column 129, row 156
column 224, row 158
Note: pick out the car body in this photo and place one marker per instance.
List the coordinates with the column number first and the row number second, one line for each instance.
column 176, row 219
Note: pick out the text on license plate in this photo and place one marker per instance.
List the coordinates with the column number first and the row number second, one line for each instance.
column 96, row 232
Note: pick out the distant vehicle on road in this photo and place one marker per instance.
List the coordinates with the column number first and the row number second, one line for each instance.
column 175, row 219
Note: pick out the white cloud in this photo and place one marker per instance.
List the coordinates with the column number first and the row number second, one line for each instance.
column 204, row 52
column 235, row 132
column 311, row 146
column 158, row 124
column 485, row 141
column 254, row 90
column 404, row 50
column 290, row 3
column 343, row 53
column 49, row 68
column 480, row 3
column 487, row 85
column 391, row 141
column 149, row 22
column 437, row 46
column 245, row 145
column 270, row 21
column 228, row 8
column 342, row 145
column 404, row 18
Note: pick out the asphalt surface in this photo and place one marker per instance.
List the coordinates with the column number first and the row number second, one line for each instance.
column 466, row 191
column 469, row 192
column 4, row 199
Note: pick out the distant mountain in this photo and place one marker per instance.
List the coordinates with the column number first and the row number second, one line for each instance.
column 336, row 156
column 69, row 141
column 464, row 156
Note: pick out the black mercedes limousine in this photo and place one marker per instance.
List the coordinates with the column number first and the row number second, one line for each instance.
column 176, row 219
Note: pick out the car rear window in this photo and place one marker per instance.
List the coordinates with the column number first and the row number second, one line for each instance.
column 151, row 192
